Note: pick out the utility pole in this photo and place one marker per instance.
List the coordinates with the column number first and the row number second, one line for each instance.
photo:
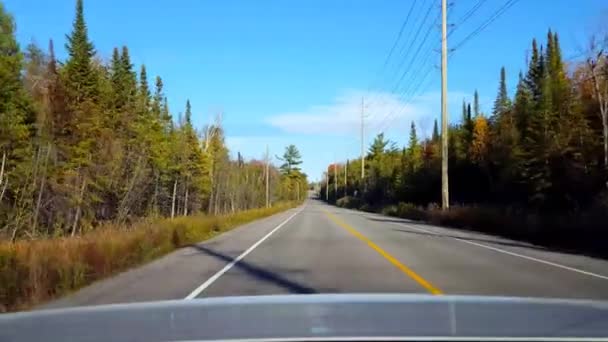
column 267, row 177
column 327, row 186
column 362, row 140
column 345, row 178
column 445, row 196
column 336, row 180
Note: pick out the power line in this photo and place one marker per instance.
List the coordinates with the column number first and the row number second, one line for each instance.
column 415, row 55
column 380, row 74
column 414, row 59
column 418, row 90
column 467, row 15
column 426, row 16
column 486, row 23
column 407, row 18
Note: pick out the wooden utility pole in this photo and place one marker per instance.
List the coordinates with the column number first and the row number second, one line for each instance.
column 336, row 180
column 327, row 186
column 362, row 139
column 345, row 178
column 267, row 177
column 445, row 196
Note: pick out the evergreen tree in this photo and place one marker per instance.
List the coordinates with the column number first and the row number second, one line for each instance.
column 81, row 82
column 435, row 136
column 414, row 150
column 144, row 89
column 476, row 110
column 16, row 115
column 522, row 107
column 535, row 73
column 502, row 104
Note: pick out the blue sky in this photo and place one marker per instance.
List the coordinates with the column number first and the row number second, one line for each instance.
column 284, row 72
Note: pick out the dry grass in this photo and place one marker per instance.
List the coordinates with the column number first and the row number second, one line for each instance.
column 32, row 272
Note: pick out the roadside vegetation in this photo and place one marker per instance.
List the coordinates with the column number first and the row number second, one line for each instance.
column 535, row 168
column 32, row 272
column 97, row 174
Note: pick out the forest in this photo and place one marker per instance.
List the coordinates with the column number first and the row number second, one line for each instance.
column 90, row 140
column 537, row 162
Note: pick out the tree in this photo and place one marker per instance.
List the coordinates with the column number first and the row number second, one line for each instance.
column 377, row 147
column 480, row 143
column 502, row 104
column 16, row 126
column 291, row 159
column 144, row 89
column 414, row 150
column 81, row 80
column 476, row 110
column 435, row 136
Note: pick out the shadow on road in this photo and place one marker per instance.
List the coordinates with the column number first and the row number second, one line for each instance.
column 258, row 272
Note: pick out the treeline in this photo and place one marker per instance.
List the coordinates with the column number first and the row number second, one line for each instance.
column 543, row 150
column 84, row 141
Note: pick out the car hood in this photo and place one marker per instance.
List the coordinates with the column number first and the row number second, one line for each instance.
column 314, row 317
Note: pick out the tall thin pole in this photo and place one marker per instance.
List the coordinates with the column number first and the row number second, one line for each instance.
column 445, row 197
column 267, row 177
column 362, row 140
column 327, row 186
column 345, row 178
column 336, row 180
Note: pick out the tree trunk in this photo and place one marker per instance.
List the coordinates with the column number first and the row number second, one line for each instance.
column 173, row 200
column 186, row 202
column 3, row 190
column 41, row 191
column 79, row 208
column 155, row 209
column 2, row 171
column 603, row 103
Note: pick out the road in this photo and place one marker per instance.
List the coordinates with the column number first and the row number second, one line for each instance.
column 317, row 248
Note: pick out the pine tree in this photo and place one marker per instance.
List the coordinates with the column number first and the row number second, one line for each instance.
column 535, row 73
column 476, row 111
column 188, row 114
column 464, row 112
column 435, row 136
column 414, row 150
column 81, row 83
column 502, row 104
column 144, row 89
column 17, row 118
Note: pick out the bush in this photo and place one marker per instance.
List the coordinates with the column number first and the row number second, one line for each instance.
column 349, row 202
column 35, row 271
column 410, row 211
column 389, row 210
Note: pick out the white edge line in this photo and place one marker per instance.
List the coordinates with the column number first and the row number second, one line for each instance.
column 408, row 338
column 509, row 253
column 210, row 281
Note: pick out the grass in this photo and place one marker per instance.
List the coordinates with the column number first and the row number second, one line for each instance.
column 32, row 272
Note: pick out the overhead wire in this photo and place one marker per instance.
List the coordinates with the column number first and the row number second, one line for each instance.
column 485, row 24
column 466, row 16
column 394, row 46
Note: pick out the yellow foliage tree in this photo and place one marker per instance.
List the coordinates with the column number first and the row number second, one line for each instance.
column 481, row 139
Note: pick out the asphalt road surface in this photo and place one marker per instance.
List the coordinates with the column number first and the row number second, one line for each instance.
column 317, row 248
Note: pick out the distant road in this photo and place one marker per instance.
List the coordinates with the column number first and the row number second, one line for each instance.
column 318, row 248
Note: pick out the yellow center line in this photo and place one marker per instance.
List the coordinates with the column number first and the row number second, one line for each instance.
column 424, row 283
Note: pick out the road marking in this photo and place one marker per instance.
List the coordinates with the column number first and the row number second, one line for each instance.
column 410, row 338
column 210, row 281
column 508, row 252
column 424, row 283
